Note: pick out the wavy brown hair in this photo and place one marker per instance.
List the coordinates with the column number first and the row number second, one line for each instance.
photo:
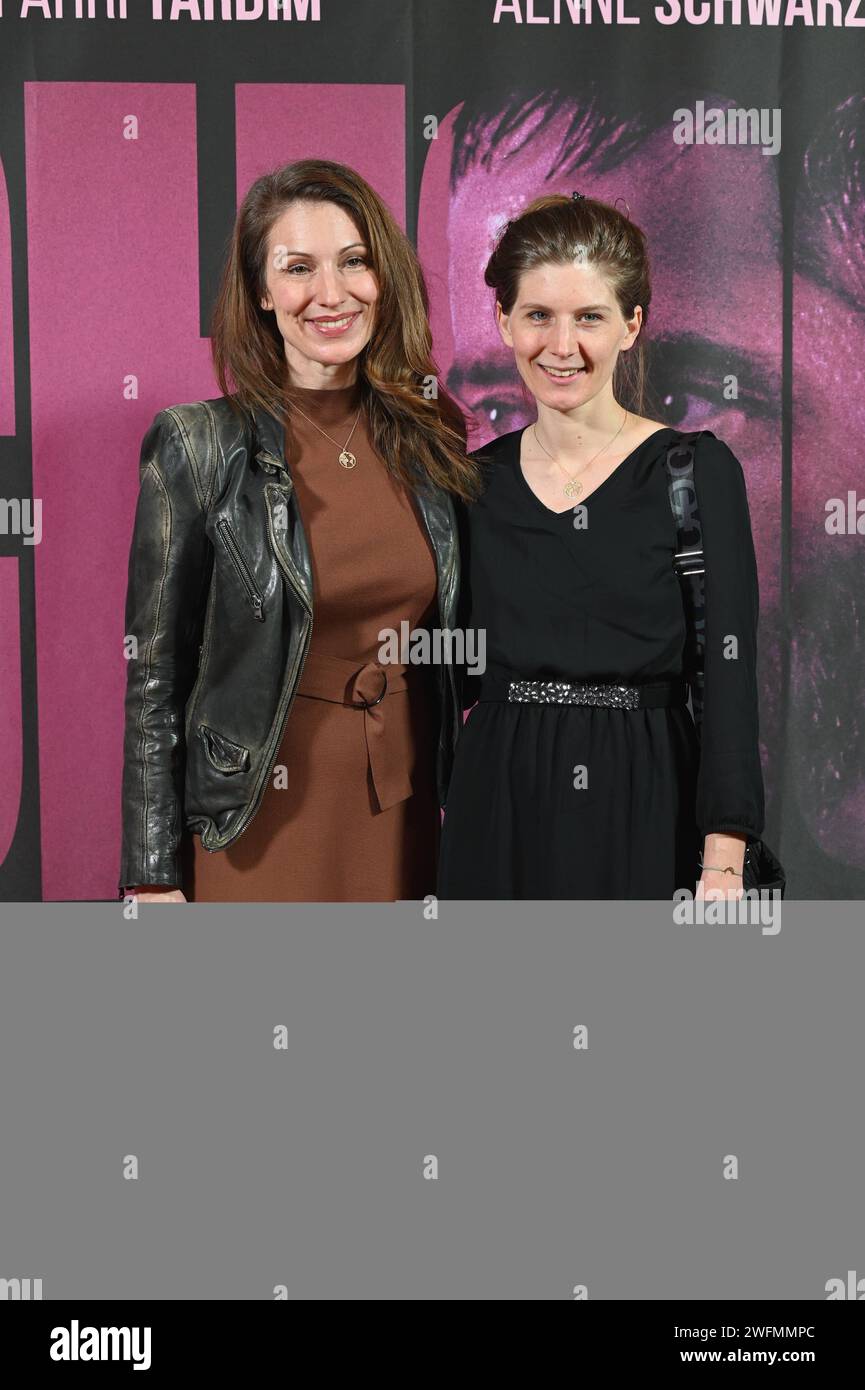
column 417, row 435
column 557, row 230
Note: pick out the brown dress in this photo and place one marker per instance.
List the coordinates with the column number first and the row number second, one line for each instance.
column 353, row 815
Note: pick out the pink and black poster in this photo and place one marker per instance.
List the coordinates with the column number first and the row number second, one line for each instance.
column 130, row 131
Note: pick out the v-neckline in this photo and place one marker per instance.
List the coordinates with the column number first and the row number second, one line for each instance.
column 569, row 511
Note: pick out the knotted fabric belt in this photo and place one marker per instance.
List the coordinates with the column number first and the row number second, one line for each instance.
column 364, row 688
column 508, row 685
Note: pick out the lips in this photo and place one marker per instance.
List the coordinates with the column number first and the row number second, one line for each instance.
column 334, row 326
column 560, row 373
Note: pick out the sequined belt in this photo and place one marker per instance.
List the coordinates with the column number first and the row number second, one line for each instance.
column 652, row 694
column 365, row 688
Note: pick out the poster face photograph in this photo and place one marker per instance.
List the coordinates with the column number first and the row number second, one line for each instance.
column 432, row 534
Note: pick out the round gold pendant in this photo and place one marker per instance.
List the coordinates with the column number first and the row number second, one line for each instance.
column 573, row 488
column 347, row 459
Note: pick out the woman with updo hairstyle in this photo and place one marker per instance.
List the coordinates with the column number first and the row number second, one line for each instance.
column 579, row 773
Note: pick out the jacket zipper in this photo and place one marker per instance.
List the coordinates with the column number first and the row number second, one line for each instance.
column 204, row 645
column 252, row 591
column 281, row 716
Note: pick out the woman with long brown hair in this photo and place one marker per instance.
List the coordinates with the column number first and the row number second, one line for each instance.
column 579, row 774
column 274, row 750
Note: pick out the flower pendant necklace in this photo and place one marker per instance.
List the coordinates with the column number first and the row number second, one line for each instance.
column 573, row 487
column 346, row 458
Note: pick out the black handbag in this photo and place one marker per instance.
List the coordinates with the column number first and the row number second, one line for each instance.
column 762, row 869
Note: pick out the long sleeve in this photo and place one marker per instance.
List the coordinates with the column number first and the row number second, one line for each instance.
column 730, row 782
column 168, row 573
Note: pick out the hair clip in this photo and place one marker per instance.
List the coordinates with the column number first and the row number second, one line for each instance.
column 577, row 196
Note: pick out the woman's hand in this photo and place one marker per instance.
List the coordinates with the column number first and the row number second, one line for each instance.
column 156, row 893
column 719, row 853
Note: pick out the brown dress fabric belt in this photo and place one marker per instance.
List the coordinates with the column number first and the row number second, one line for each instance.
column 365, row 688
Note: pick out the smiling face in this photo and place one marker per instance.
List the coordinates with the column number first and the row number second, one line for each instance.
column 323, row 291
column 566, row 331
column 716, row 312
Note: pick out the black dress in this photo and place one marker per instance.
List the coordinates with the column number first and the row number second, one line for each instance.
column 577, row 801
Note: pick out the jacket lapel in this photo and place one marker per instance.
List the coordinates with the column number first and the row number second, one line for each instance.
column 288, row 538
column 284, row 525
column 437, row 509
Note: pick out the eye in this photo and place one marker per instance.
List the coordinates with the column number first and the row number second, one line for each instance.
column 692, row 406
column 590, row 315
column 501, row 411
column 356, row 260
column 299, row 265
column 695, row 403
column 537, row 314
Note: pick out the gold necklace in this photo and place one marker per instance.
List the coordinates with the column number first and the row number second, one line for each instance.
column 346, row 457
column 573, row 487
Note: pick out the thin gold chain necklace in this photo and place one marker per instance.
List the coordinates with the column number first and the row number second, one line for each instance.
column 573, row 487
column 346, row 457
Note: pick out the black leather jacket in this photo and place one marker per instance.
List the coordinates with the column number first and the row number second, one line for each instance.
column 220, row 602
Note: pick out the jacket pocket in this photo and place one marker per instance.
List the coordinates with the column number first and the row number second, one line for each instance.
column 244, row 573
column 221, row 753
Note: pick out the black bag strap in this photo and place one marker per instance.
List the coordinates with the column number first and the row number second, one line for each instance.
column 688, row 561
